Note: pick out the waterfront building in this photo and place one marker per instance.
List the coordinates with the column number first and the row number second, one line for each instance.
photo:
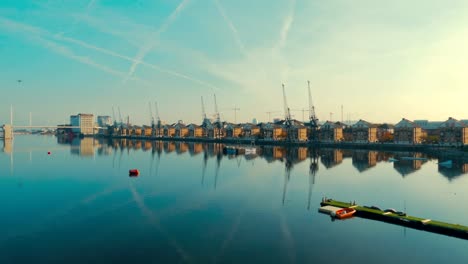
column 385, row 132
column 429, row 128
column 195, row 131
column 136, row 131
column 233, row 130
column 453, row 133
column 84, row 124
column 250, row 130
column 331, row 132
column 216, row 130
column 147, row 131
column 181, row 130
column 272, row 131
column 364, row 132
column 168, row 130
column 7, row 132
column 407, row 132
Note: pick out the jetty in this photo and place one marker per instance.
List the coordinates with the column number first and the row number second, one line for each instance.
column 399, row 218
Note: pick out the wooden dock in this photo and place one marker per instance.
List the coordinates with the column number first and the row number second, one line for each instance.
column 400, row 218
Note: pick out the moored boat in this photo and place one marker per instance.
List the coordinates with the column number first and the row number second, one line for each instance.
column 345, row 213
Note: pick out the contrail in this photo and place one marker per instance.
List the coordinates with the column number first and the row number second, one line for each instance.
column 15, row 26
column 150, row 45
column 231, row 26
column 287, row 25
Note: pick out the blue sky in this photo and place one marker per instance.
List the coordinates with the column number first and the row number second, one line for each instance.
column 381, row 60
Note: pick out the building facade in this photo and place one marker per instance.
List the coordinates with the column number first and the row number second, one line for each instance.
column 453, row 133
column 331, row 132
column 364, row 132
column 83, row 123
column 407, row 132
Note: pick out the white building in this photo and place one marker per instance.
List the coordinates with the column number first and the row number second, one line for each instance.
column 104, row 121
column 84, row 124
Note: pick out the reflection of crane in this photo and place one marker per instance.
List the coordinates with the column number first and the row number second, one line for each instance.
column 205, row 161
column 313, row 136
column 312, row 172
column 219, row 157
column 287, row 176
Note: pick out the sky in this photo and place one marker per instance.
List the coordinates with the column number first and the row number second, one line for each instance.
column 381, row 60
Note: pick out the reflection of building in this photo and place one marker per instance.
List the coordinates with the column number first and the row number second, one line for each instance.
column 7, row 146
column 195, row 148
column 364, row 159
column 454, row 171
column 83, row 146
column 331, row 157
column 84, row 124
column 407, row 132
column 408, row 162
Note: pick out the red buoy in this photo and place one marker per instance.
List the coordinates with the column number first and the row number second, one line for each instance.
column 48, row 152
column 133, row 173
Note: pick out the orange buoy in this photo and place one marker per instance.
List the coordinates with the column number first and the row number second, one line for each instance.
column 133, row 173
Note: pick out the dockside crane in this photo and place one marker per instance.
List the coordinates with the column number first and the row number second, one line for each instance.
column 287, row 116
column 151, row 115
column 203, row 110
column 120, row 117
column 218, row 119
column 113, row 116
column 314, row 125
column 158, row 120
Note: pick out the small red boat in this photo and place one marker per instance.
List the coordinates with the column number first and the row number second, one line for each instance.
column 345, row 213
column 133, row 173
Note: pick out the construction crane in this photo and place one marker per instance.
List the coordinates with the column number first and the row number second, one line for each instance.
column 120, row 116
column 158, row 120
column 287, row 117
column 303, row 110
column 203, row 109
column 269, row 114
column 314, row 126
column 151, row 115
column 218, row 119
column 113, row 115
column 217, row 116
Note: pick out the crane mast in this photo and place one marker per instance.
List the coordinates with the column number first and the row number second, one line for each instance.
column 203, row 109
column 151, row 114
column 218, row 118
column 313, row 136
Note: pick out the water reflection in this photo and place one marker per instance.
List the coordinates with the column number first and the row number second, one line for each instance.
column 404, row 162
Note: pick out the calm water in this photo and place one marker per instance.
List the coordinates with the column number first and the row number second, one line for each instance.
column 192, row 204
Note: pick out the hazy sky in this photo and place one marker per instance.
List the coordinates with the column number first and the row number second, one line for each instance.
column 381, row 60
